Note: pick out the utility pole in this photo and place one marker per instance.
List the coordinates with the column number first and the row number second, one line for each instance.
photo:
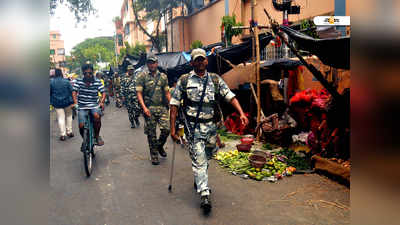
column 257, row 67
column 116, row 48
column 172, row 30
column 256, row 57
column 226, row 7
column 166, row 30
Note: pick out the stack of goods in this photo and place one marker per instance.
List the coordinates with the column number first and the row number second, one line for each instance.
column 248, row 165
column 277, row 128
column 344, row 163
column 300, row 142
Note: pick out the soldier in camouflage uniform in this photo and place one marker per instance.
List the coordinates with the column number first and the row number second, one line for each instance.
column 153, row 95
column 124, row 81
column 132, row 104
column 117, row 90
column 203, row 143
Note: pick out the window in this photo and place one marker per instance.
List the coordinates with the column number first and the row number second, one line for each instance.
column 119, row 40
column 52, row 52
column 60, row 51
column 54, row 36
column 127, row 30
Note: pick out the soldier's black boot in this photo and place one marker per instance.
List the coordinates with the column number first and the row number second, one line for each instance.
column 137, row 122
column 162, row 151
column 161, row 141
column 132, row 121
column 154, row 160
column 205, row 204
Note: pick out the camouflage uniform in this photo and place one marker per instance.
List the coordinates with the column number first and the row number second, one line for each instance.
column 117, row 90
column 107, row 84
column 132, row 103
column 204, row 142
column 158, row 108
column 124, row 81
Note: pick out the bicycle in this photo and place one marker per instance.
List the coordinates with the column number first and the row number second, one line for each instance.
column 88, row 143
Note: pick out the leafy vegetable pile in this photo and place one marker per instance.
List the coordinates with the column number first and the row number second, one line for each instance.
column 225, row 136
column 238, row 163
column 293, row 159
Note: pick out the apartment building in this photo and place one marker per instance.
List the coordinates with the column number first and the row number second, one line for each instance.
column 128, row 31
column 57, row 50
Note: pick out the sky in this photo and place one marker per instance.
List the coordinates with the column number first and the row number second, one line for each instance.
column 97, row 25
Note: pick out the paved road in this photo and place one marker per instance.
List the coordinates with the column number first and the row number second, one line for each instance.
column 126, row 189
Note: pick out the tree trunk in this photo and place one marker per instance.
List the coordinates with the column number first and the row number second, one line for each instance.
column 153, row 39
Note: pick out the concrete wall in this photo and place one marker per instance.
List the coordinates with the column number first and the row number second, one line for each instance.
column 205, row 24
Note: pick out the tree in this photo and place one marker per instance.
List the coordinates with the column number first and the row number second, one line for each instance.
column 117, row 18
column 135, row 50
column 155, row 10
column 80, row 8
column 95, row 50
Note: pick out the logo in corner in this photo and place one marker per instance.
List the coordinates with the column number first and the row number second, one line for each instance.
column 332, row 20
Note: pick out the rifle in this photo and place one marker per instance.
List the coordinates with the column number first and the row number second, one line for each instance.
column 186, row 125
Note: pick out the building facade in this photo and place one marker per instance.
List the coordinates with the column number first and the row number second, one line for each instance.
column 57, row 50
column 204, row 23
column 127, row 31
column 119, row 35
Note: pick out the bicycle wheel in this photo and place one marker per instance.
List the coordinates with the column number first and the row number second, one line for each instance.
column 87, row 152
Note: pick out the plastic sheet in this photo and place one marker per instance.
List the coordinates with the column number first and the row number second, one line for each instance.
column 333, row 52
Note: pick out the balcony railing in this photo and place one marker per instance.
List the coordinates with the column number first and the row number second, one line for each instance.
column 274, row 52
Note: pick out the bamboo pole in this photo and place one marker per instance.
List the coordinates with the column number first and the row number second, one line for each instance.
column 255, row 97
column 258, row 79
column 257, row 67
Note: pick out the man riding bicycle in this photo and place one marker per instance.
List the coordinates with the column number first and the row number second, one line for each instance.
column 85, row 95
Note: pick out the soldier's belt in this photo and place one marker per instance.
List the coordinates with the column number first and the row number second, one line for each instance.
column 193, row 119
column 197, row 104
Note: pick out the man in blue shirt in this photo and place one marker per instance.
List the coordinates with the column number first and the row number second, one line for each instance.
column 85, row 94
column 61, row 100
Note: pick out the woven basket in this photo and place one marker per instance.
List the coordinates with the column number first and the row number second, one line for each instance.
column 257, row 160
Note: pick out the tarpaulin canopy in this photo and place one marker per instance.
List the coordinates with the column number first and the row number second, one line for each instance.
column 174, row 64
column 169, row 60
column 132, row 60
column 283, row 63
column 333, row 52
column 236, row 54
column 241, row 74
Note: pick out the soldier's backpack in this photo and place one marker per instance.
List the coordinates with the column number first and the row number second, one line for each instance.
column 215, row 80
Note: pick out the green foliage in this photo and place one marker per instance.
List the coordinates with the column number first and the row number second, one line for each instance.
column 116, row 19
column 135, row 50
column 155, row 10
column 308, row 27
column 225, row 136
column 95, row 50
column 196, row 44
column 80, row 8
column 227, row 23
column 300, row 163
